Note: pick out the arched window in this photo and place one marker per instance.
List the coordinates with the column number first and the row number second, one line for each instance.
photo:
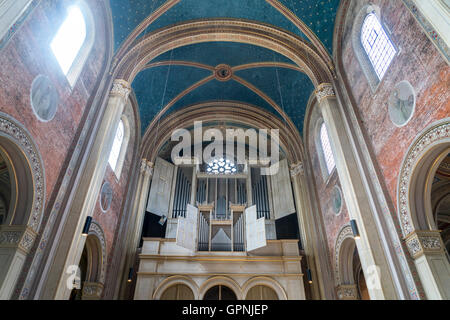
column 73, row 41
column 117, row 145
column 120, row 145
column 326, row 148
column 377, row 45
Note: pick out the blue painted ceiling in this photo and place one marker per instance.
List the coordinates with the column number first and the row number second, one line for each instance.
column 157, row 86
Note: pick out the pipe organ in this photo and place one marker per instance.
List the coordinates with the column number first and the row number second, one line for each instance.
column 222, row 200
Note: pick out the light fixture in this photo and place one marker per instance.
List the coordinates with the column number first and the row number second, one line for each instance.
column 87, row 225
column 309, row 276
column 130, row 275
column 355, row 229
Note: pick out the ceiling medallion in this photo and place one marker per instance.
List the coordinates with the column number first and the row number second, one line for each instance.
column 223, row 72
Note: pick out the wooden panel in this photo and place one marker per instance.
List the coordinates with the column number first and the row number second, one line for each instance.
column 187, row 229
column 159, row 197
column 283, row 201
column 255, row 230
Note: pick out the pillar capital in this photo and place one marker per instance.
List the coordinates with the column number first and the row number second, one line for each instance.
column 17, row 237
column 297, row 169
column 323, row 91
column 424, row 242
column 92, row 291
column 120, row 88
column 147, row 167
column 347, row 292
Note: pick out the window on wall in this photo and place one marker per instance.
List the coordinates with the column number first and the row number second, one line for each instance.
column 69, row 39
column 378, row 46
column 73, row 40
column 117, row 146
column 326, row 148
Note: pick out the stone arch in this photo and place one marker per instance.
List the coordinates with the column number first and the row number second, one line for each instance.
column 220, row 280
column 174, row 280
column 19, row 145
column 414, row 211
column 343, row 256
column 96, row 242
column 264, row 281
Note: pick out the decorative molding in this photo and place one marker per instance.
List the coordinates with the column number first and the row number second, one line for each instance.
column 432, row 34
column 96, row 230
column 347, row 292
column 19, row 135
column 437, row 132
column 323, row 91
column 424, row 242
column 297, row 169
column 345, row 233
column 121, row 88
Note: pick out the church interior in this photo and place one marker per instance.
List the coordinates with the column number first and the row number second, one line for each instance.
column 224, row 150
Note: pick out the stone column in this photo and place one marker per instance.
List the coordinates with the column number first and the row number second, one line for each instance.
column 70, row 244
column 347, row 292
column 370, row 247
column 15, row 244
column 297, row 177
column 136, row 219
column 428, row 252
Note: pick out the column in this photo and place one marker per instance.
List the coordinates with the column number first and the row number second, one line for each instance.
column 136, row 220
column 309, row 233
column 70, row 244
column 370, row 247
column 428, row 252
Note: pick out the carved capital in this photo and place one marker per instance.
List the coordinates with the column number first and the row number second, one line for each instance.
column 424, row 242
column 147, row 167
column 121, row 88
column 323, row 91
column 347, row 292
column 92, row 291
column 297, row 169
column 17, row 237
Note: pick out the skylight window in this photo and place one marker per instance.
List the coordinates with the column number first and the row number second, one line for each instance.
column 69, row 39
column 326, row 148
column 378, row 46
column 117, row 145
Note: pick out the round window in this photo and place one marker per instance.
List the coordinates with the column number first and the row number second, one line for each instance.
column 337, row 200
column 402, row 103
column 106, row 196
column 44, row 98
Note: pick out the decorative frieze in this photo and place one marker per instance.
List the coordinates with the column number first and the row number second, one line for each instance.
column 347, row 292
column 323, row 91
column 424, row 242
column 297, row 169
column 121, row 88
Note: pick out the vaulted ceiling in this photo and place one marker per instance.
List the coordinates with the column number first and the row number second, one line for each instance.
column 261, row 77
